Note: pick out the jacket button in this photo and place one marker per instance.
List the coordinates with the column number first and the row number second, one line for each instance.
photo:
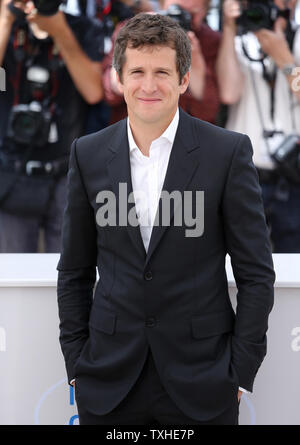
column 148, row 275
column 150, row 322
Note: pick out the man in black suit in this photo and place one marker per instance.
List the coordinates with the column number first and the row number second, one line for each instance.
column 158, row 340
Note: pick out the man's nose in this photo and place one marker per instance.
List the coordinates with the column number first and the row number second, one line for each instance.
column 149, row 84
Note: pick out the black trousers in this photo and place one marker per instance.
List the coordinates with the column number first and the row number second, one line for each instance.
column 147, row 403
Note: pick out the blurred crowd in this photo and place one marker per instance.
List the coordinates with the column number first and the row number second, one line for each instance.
column 60, row 84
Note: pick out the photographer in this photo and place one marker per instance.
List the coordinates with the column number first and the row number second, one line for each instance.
column 259, row 79
column 201, row 98
column 53, row 69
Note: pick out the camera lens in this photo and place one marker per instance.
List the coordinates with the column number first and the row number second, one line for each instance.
column 255, row 15
column 25, row 126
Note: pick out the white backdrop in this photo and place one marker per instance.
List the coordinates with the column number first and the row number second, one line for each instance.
column 33, row 385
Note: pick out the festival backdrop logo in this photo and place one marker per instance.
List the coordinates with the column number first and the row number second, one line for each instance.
column 295, row 345
column 57, row 406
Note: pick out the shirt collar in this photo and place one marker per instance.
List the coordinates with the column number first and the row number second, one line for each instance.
column 168, row 134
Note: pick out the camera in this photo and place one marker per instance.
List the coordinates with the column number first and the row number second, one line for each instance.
column 44, row 7
column 180, row 15
column 47, row 7
column 256, row 15
column 287, row 158
column 30, row 122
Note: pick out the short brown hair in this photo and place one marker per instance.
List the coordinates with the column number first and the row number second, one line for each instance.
column 155, row 30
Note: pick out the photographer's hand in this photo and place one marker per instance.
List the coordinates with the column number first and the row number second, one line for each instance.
column 198, row 68
column 230, row 75
column 52, row 24
column 274, row 44
column 86, row 73
column 231, row 11
column 141, row 6
column 7, row 19
column 5, row 13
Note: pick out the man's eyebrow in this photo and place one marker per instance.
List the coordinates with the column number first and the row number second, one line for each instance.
column 135, row 68
column 159, row 68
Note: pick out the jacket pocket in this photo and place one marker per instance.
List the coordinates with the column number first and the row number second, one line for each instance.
column 101, row 319
column 216, row 323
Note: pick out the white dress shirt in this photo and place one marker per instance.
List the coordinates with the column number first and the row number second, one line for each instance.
column 148, row 175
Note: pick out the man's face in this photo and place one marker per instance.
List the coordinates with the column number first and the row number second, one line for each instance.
column 150, row 83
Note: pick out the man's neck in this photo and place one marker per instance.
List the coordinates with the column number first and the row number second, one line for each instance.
column 145, row 133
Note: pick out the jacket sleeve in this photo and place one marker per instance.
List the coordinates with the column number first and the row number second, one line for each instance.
column 247, row 242
column 76, row 267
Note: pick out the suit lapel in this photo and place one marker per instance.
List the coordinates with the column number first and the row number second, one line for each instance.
column 119, row 171
column 182, row 165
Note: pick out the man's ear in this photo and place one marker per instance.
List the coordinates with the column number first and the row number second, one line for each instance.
column 118, row 81
column 185, row 82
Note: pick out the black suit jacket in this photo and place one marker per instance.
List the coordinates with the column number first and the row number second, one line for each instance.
column 174, row 299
